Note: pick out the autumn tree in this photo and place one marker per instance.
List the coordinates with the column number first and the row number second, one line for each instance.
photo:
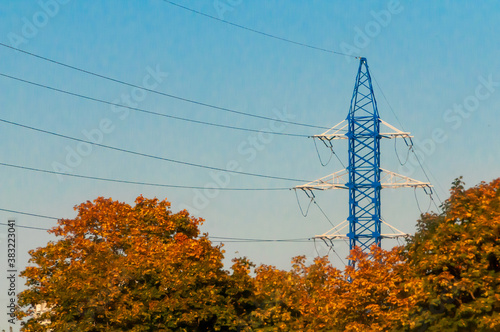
column 455, row 261
column 319, row 297
column 377, row 296
column 117, row 267
column 294, row 300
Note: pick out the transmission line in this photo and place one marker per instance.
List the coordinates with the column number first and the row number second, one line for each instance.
column 226, row 239
column 29, row 214
column 136, row 182
column 260, row 32
column 29, row 227
column 148, row 112
column 225, row 109
column 412, row 150
column 235, row 239
column 147, row 155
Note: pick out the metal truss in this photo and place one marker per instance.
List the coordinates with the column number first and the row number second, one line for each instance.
column 336, row 233
column 339, row 179
column 363, row 177
column 339, row 132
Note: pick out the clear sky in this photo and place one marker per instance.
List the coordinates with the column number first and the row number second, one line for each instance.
column 436, row 63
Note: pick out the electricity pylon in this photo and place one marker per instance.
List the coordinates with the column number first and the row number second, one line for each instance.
column 363, row 177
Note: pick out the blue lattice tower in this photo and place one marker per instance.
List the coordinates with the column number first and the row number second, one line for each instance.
column 364, row 163
column 363, row 177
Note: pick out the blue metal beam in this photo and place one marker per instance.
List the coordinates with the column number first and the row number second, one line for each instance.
column 364, row 164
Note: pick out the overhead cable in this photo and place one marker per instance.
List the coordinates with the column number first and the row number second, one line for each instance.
column 260, row 32
column 148, row 155
column 149, row 112
column 311, row 199
column 225, row 239
column 29, row 214
column 258, row 240
column 319, row 156
column 411, row 146
column 137, row 182
column 225, row 109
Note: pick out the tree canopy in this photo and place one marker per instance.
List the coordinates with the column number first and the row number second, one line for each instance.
column 118, row 267
column 454, row 259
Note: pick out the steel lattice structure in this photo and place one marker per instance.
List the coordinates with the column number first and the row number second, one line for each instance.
column 364, row 163
column 363, row 177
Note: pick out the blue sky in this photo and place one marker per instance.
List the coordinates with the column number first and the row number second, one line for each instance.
column 436, row 62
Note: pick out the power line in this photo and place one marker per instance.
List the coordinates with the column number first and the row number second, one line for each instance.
column 225, row 109
column 29, row 214
column 418, row 203
column 319, row 156
column 328, row 219
column 148, row 155
column 29, row 227
column 425, row 173
column 136, row 182
column 329, row 145
column 234, row 239
column 260, row 32
column 227, row 239
column 387, row 101
column 311, row 198
column 149, row 112
column 411, row 147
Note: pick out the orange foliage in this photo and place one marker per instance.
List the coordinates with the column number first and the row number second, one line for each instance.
column 118, row 267
column 143, row 268
column 455, row 262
